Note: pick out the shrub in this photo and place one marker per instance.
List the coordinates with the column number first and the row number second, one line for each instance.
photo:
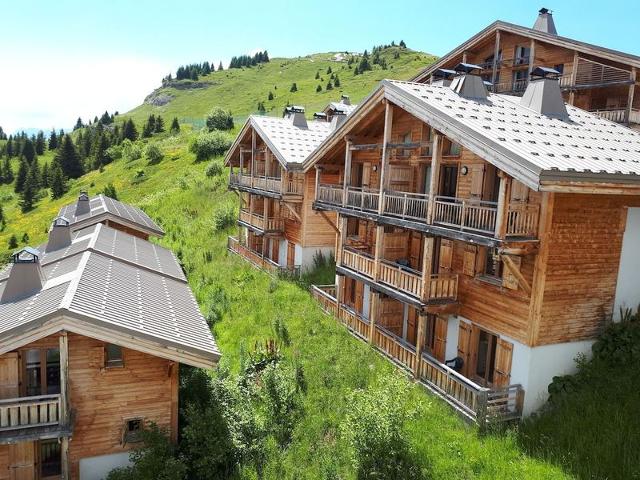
column 110, row 191
column 219, row 119
column 13, row 242
column 282, row 401
column 214, row 168
column 154, row 154
column 210, row 144
column 114, row 152
column 294, row 87
column 131, row 150
column 218, row 305
column 224, row 217
column 374, row 429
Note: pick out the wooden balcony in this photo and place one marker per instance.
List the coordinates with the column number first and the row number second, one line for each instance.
column 619, row 115
column 260, row 261
column 406, row 205
column 29, row 413
column 468, row 215
column 363, row 199
column 270, row 224
column 293, row 185
column 355, row 322
column 325, row 295
column 441, row 287
column 330, row 194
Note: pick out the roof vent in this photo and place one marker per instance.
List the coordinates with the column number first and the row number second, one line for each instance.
column 543, row 94
column 82, row 205
column 59, row 234
column 544, row 22
column 442, row 77
column 25, row 277
column 319, row 116
column 344, row 99
column 296, row 115
column 468, row 84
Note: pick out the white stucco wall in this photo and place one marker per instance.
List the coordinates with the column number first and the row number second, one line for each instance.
column 366, row 301
column 306, row 254
column 627, row 291
column 282, row 253
column 97, row 468
column 451, row 348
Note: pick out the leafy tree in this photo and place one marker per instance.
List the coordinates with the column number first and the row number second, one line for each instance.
column 58, row 181
column 21, row 177
column 68, row 158
column 13, row 242
column 294, row 87
column 210, row 144
column 219, row 119
column 175, row 125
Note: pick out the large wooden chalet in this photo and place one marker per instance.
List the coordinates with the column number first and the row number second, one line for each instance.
column 93, row 327
column 592, row 78
column 278, row 228
column 484, row 240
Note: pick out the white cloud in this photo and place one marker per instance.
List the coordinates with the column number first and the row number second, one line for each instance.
column 56, row 89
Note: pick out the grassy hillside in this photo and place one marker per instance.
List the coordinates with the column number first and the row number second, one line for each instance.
column 241, row 89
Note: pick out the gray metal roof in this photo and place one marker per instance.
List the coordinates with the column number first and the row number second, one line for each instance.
column 118, row 282
column 341, row 107
column 103, row 207
column 289, row 143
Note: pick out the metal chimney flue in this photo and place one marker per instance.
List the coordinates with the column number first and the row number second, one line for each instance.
column 468, row 83
column 543, row 94
column 25, row 278
column 59, row 234
column 544, row 22
column 83, row 206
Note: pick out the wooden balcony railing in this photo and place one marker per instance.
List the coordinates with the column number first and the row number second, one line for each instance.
column 395, row 348
column 268, row 184
column 325, row 295
column 404, row 279
column 522, row 220
column 331, row 194
column 29, row 412
column 442, row 286
column 274, row 224
column 294, row 185
column 354, row 322
column 413, row 206
column 618, row 115
column 265, row 263
column 252, row 219
column 273, row 184
column 363, row 198
column 590, row 72
column 358, row 261
column 470, row 215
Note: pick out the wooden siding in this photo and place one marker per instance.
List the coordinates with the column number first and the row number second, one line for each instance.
column 129, row 230
column 317, row 231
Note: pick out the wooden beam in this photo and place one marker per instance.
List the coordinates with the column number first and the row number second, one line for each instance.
column 515, row 271
column 317, row 184
column 436, row 158
column 632, row 88
column 422, row 327
column 427, row 265
column 384, row 173
column 342, row 237
column 326, row 217
column 496, row 53
column 64, row 458
column 346, row 180
column 253, row 154
column 374, row 309
column 532, row 58
column 292, row 210
column 379, row 248
column 503, row 207
column 64, row 378
column 574, row 74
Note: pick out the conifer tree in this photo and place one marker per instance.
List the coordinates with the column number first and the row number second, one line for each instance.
column 7, row 171
column 270, row 96
column 402, row 44
column 21, row 177
column 329, row 85
column 58, row 181
column 28, row 150
column 13, row 242
column 159, row 124
column 2, row 220
column 79, row 124
column 129, row 130
column 30, row 190
column 220, row 68
column 175, row 126
column 319, row 88
column 329, row 70
column 99, row 150
column 318, row 75
column 40, row 143
column 53, row 140
column 336, row 82
column 68, row 159
column 44, row 176
column 294, row 87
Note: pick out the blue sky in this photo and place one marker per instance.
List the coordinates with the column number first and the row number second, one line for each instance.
column 69, row 57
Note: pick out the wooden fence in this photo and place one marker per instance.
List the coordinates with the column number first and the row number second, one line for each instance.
column 28, row 412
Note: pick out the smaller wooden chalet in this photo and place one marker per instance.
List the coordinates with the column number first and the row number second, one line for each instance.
column 93, row 327
column 592, row 77
column 89, row 211
column 278, row 229
column 484, row 240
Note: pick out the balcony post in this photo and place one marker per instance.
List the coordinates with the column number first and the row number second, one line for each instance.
column 253, row 154
column 318, row 170
column 422, row 326
column 427, row 266
column 64, row 378
column 378, row 251
column 632, row 87
column 384, row 171
column 342, row 236
column 347, row 170
column 503, row 206
column 373, row 313
column 496, row 52
column 574, row 74
column 436, row 157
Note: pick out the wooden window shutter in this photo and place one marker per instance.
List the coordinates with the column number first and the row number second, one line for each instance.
column 502, row 367
column 440, row 341
column 9, row 376
column 96, row 357
column 477, row 178
column 469, row 267
column 464, row 345
column 446, row 254
column 508, row 279
column 519, row 192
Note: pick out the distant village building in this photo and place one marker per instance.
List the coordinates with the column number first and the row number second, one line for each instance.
column 93, row 327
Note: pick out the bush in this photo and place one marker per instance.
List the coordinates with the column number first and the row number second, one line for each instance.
column 224, row 218
column 219, row 119
column 210, row 144
column 282, row 401
column 13, row 242
column 374, row 429
column 131, row 150
column 214, row 168
column 218, row 305
column 110, row 191
column 154, row 154
column 114, row 152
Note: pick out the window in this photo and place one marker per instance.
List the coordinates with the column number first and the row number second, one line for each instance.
column 41, row 369
column 114, row 356
column 492, row 264
column 522, row 56
column 519, row 80
column 50, row 459
column 430, row 334
column 33, row 378
column 454, row 149
column 559, row 68
column 133, row 427
column 486, row 357
column 53, row 371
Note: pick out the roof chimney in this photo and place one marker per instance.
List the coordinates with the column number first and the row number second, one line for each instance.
column 345, row 100
column 25, row 277
column 544, row 22
column 59, row 234
column 442, row 77
column 337, row 119
column 296, row 114
column 320, row 116
column 468, row 84
column 543, row 94
column 82, row 205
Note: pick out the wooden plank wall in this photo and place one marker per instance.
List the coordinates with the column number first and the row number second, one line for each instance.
column 4, row 463
column 317, row 231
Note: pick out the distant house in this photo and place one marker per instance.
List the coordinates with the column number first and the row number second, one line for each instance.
column 278, row 229
column 484, row 240
column 93, row 327
column 593, row 78
column 102, row 209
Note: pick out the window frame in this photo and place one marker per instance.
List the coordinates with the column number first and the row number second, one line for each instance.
column 133, row 436
column 115, row 363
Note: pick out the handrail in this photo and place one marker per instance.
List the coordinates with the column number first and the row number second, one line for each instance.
column 27, row 400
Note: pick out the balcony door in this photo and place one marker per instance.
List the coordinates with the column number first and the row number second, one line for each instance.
column 486, row 357
column 40, row 371
column 9, row 376
column 22, row 461
column 449, row 181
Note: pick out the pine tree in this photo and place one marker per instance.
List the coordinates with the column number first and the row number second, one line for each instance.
column 129, row 130
column 53, row 140
column 7, row 171
column 336, row 82
column 40, row 143
column 28, row 150
column 58, row 181
column 99, row 150
column 329, row 85
column 220, row 67
column 30, row 191
column 318, row 75
column 402, row 44
column 2, row 219
column 270, row 96
column 44, row 176
column 79, row 124
column 318, row 88
column 294, row 87
column 10, row 149
column 329, row 70
column 175, row 126
column 21, row 177
column 159, row 124
column 68, row 158
column 13, row 242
